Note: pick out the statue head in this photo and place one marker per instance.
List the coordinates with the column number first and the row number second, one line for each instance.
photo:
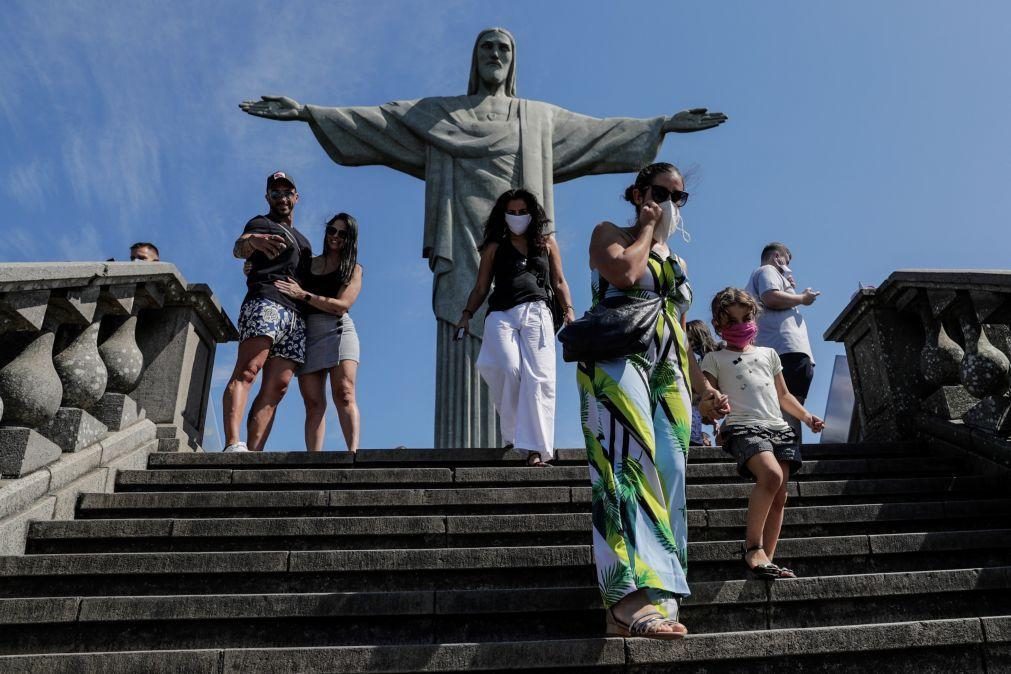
column 493, row 63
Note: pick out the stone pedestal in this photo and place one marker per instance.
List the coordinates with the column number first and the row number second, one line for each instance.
column 178, row 342
column 72, row 429
column 464, row 413
column 989, row 414
column 22, row 450
column 117, row 411
column 949, row 402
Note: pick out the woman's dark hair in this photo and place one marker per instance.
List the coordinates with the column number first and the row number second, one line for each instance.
column 645, row 177
column 700, row 340
column 349, row 252
column 495, row 229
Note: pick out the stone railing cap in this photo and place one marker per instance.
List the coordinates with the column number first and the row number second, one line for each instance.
column 22, row 276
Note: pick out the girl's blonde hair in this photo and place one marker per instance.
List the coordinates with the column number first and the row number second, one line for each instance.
column 729, row 297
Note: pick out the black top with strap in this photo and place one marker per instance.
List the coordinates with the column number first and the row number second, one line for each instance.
column 324, row 285
column 518, row 278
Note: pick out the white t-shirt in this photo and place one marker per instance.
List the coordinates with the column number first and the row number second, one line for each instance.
column 781, row 329
column 749, row 380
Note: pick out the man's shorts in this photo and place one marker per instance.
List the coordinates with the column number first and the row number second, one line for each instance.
column 745, row 442
column 260, row 317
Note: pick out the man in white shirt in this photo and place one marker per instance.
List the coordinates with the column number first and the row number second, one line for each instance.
column 780, row 323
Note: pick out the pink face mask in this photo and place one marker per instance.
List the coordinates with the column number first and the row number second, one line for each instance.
column 740, row 335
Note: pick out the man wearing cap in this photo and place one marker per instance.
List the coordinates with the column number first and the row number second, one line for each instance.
column 271, row 331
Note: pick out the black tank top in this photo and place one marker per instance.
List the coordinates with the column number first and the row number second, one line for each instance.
column 326, row 285
column 518, row 279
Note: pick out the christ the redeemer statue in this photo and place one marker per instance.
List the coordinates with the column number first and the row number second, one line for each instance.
column 469, row 150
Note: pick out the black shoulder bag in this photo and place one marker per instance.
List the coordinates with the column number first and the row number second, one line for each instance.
column 616, row 327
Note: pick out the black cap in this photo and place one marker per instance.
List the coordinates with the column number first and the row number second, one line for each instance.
column 280, row 176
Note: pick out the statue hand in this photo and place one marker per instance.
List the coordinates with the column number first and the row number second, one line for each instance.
column 696, row 119
column 280, row 108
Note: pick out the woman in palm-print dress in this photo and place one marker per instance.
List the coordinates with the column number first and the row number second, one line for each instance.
column 636, row 416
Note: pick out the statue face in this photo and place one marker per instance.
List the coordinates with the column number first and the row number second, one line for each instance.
column 494, row 57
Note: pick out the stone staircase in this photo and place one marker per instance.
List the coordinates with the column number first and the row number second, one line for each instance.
column 435, row 560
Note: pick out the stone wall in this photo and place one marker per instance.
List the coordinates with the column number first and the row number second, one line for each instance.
column 100, row 364
column 929, row 355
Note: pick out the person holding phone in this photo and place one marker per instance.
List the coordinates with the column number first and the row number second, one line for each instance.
column 781, row 324
column 517, row 358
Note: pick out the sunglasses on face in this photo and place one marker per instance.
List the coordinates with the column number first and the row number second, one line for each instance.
column 662, row 194
column 281, row 194
column 339, row 233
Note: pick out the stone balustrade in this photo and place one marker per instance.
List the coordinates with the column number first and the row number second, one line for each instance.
column 88, row 348
column 929, row 352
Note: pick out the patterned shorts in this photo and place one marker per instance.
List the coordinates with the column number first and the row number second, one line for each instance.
column 260, row 317
column 745, row 442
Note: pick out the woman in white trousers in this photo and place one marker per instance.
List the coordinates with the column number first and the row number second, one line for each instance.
column 517, row 358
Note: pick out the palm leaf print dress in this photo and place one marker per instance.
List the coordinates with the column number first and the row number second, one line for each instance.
column 636, row 418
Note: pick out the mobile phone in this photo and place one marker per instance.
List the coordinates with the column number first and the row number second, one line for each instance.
column 459, row 335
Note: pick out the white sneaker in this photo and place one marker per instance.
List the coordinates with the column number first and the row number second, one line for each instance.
column 237, row 447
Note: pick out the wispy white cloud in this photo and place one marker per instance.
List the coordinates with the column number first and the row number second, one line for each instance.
column 28, row 183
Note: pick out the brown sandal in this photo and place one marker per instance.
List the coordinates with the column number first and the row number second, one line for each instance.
column 646, row 626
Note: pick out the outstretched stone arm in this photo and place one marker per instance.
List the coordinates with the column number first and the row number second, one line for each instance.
column 280, row 108
column 696, row 119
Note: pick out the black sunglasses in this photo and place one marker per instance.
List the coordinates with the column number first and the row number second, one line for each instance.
column 339, row 233
column 280, row 194
column 662, row 194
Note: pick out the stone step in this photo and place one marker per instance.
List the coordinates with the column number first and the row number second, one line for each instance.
column 466, row 568
column 503, row 500
column 961, row 644
column 448, row 616
column 481, row 477
column 391, row 458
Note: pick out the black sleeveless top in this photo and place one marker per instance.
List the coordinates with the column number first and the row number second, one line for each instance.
column 326, row 285
column 518, row 279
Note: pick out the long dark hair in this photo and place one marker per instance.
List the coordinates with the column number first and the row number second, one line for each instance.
column 700, row 340
column 644, row 179
column 496, row 231
column 349, row 251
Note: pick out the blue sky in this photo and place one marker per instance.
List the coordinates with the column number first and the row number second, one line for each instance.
column 868, row 136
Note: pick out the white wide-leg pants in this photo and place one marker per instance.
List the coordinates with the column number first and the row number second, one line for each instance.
column 517, row 361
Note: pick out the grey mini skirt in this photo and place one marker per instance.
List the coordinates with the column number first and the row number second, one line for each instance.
column 328, row 341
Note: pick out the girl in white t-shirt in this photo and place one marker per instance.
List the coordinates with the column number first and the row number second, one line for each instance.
column 765, row 446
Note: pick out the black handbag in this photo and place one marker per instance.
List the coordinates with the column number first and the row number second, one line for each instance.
column 616, row 327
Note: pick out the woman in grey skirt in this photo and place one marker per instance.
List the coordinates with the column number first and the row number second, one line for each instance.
column 331, row 343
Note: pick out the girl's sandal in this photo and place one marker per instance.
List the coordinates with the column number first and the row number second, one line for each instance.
column 646, row 626
column 766, row 571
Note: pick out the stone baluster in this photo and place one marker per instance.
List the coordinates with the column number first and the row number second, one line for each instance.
column 80, row 368
column 941, row 358
column 117, row 345
column 31, row 391
column 984, row 369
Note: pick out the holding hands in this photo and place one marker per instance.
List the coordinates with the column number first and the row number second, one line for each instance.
column 714, row 405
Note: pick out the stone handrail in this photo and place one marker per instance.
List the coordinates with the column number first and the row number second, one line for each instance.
column 929, row 353
column 86, row 348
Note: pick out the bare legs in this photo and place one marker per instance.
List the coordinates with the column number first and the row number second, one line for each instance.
column 252, row 355
column 342, row 385
column 765, row 506
column 277, row 374
column 314, row 396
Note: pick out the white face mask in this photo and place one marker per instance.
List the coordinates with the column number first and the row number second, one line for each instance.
column 670, row 222
column 517, row 224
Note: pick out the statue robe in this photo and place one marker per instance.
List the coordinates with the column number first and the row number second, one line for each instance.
column 471, row 149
